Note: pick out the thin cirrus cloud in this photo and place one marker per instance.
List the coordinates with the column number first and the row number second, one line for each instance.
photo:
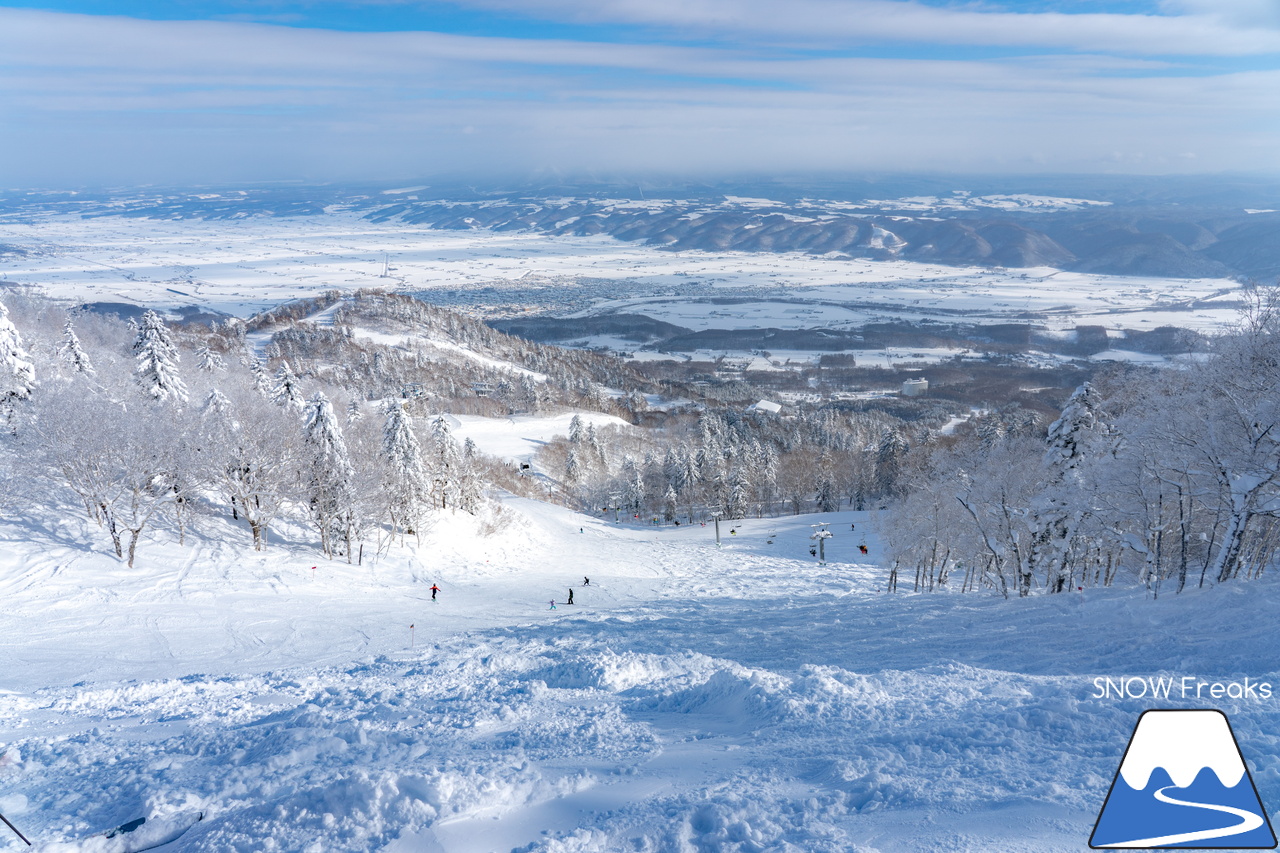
column 1189, row 27
column 114, row 99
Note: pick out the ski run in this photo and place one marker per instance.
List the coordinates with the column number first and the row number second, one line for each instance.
column 693, row 698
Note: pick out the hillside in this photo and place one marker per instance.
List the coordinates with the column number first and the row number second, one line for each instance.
column 1177, row 228
column 691, row 698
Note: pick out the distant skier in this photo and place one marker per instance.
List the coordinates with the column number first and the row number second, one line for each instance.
column 586, row 581
column 553, row 604
column 863, row 549
column 580, row 530
column 434, row 590
column 570, row 601
column 852, row 526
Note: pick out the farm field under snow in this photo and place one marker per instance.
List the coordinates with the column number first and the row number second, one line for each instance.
column 243, row 265
column 692, row 698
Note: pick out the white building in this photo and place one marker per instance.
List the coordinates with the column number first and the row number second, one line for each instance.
column 915, row 387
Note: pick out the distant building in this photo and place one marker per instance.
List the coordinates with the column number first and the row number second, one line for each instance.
column 915, row 387
column 768, row 406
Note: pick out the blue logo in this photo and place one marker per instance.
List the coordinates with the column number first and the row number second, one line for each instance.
column 1183, row 783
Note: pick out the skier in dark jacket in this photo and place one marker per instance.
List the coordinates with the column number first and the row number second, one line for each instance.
column 586, row 581
column 570, row 601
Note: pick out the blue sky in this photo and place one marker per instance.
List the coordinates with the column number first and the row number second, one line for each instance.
column 133, row 91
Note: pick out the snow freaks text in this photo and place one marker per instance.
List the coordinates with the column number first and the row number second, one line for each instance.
column 1184, row 687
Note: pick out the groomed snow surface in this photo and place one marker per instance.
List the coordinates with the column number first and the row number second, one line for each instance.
column 691, row 699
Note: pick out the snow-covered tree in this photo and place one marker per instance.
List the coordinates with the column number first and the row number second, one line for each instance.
column 157, row 361
column 470, row 487
column 446, row 465
column 286, row 392
column 119, row 461
column 72, row 353
column 261, row 381
column 573, row 468
column 209, row 360
column 407, row 486
column 215, row 403
column 633, row 485
column 253, row 456
column 1061, row 504
column 329, row 479
column 669, row 504
column 17, row 372
column 739, row 494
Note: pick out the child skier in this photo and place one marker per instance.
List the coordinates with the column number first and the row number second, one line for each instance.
column 553, row 604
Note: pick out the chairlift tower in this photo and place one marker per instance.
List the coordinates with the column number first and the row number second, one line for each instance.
column 822, row 534
column 716, row 516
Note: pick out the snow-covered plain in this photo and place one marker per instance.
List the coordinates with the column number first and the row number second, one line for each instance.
column 692, row 699
column 242, row 265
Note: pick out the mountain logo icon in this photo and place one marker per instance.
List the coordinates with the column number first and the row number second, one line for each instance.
column 1183, row 783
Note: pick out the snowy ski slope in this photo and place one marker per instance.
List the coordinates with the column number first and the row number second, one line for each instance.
column 692, row 699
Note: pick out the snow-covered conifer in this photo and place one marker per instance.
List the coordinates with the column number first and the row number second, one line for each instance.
column 355, row 411
column 633, row 483
column 261, row 381
column 286, row 393
column 216, row 403
column 669, row 504
column 17, row 372
column 573, row 473
column 1067, row 434
column 408, row 486
column 739, row 494
column 71, row 351
column 330, row 477
column 469, row 486
column 209, row 360
column 597, row 449
column 1059, row 508
column 157, row 361
column 446, row 465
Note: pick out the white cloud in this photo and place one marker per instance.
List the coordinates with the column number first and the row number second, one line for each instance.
column 1196, row 27
column 120, row 99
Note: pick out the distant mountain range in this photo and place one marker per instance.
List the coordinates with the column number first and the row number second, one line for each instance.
column 1181, row 228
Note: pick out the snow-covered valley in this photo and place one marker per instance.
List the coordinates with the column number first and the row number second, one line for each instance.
column 691, row 698
column 242, row 265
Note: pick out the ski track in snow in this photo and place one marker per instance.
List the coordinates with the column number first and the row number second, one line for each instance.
column 694, row 699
